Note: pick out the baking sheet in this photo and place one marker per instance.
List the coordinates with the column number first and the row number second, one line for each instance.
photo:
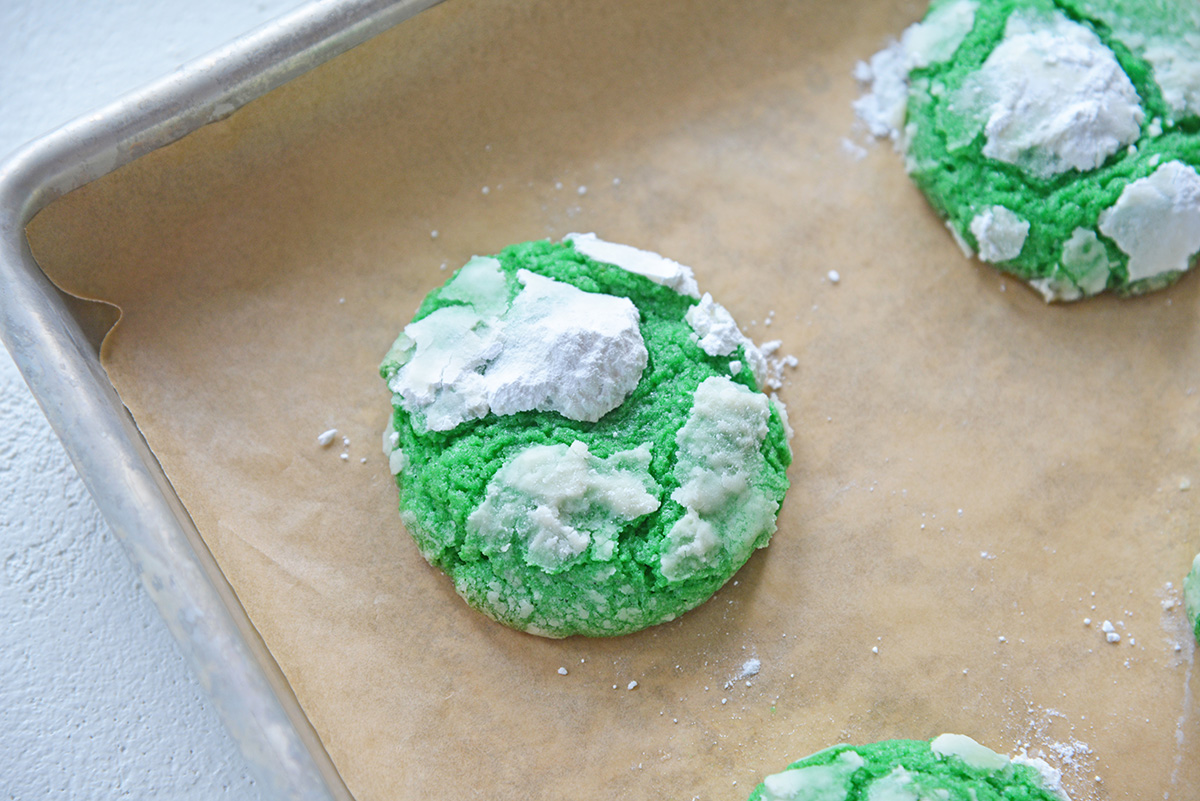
column 976, row 473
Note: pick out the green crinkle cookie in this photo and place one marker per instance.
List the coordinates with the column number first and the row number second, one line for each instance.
column 583, row 448
column 951, row 767
column 1191, row 596
column 1059, row 139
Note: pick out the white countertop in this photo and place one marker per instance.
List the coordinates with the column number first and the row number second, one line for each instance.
column 95, row 699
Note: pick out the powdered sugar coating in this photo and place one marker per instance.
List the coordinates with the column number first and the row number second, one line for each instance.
column 717, row 464
column 1000, row 233
column 1156, row 221
column 658, row 269
column 553, row 348
column 1050, row 97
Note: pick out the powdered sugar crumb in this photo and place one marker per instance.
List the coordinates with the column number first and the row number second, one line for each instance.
column 853, row 149
column 775, row 364
column 1062, row 756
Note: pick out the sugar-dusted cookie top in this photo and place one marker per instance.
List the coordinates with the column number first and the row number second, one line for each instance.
column 1059, row 139
column 580, row 439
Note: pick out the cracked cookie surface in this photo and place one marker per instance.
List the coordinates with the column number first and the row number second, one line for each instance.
column 580, row 440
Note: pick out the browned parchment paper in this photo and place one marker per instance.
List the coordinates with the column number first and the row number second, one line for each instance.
column 976, row 473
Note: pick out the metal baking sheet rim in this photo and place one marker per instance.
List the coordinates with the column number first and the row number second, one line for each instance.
column 61, row 364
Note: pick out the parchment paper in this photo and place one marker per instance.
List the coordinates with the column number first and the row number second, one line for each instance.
column 976, row 473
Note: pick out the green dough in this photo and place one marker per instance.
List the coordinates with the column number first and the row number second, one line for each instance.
column 951, row 767
column 1059, row 139
column 581, row 448
column 1191, row 596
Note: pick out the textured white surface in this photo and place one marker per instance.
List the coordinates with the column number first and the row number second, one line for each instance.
column 1051, row 97
column 95, row 699
column 553, row 348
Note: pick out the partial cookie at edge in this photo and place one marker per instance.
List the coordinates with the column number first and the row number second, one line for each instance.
column 1056, row 137
column 950, row 766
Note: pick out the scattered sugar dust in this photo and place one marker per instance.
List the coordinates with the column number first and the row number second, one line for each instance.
column 776, row 362
column 1043, row 737
column 749, row 668
column 1048, row 734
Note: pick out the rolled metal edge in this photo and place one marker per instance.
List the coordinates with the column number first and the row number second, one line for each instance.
column 63, row 370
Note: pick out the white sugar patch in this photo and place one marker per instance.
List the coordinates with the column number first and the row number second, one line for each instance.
column 553, row 348
column 657, row 268
column 750, row 667
column 884, row 105
column 1156, row 221
column 1050, row 98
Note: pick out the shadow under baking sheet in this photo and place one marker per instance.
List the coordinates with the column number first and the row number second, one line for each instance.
column 976, row 473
